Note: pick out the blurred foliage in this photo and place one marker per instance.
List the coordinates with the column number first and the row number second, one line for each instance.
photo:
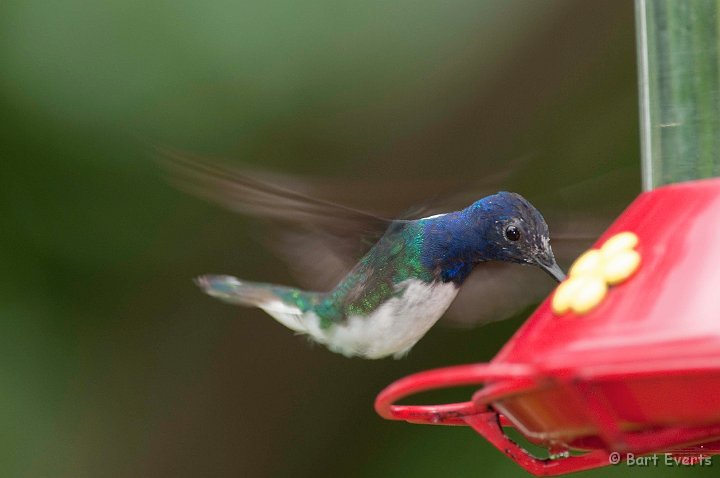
column 113, row 363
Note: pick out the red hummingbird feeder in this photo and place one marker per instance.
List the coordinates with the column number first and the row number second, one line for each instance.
column 637, row 372
column 624, row 356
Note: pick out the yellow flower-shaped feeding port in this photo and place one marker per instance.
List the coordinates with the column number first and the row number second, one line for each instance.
column 594, row 271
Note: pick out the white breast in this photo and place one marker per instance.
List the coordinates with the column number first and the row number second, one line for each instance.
column 394, row 327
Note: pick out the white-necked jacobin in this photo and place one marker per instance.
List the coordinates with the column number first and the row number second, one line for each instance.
column 401, row 286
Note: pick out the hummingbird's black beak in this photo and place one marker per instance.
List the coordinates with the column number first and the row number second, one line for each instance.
column 552, row 268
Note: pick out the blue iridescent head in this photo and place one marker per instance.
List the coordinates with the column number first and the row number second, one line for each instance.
column 513, row 230
column 502, row 227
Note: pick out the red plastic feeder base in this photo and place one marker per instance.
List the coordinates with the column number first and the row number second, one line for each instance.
column 638, row 372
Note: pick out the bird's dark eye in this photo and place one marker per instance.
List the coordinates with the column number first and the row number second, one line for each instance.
column 512, row 233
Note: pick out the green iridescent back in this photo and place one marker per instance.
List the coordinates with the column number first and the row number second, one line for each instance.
column 395, row 258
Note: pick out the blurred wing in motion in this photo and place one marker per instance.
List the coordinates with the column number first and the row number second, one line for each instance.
column 339, row 234
column 496, row 291
column 247, row 194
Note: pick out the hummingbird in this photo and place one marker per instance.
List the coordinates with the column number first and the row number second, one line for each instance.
column 404, row 282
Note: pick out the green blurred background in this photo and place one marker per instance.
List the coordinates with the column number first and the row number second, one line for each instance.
column 114, row 364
